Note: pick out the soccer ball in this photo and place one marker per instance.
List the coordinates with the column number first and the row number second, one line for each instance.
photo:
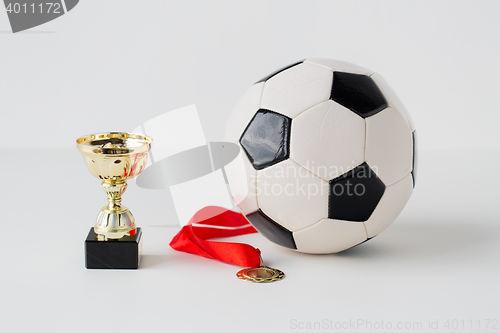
column 327, row 155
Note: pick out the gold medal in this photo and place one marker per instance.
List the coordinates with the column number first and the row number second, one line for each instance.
column 262, row 274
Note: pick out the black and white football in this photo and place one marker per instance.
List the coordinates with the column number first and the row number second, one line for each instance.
column 327, row 155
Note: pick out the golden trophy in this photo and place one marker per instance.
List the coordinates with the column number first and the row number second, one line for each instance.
column 114, row 241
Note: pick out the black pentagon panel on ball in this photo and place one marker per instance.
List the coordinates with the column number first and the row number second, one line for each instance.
column 357, row 92
column 266, row 140
column 279, row 71
column 355, row 195
column 415, row 157
column 272, row 230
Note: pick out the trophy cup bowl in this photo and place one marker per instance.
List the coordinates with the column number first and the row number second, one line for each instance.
column 114, row 157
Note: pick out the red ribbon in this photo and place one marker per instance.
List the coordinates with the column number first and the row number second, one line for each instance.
column 217, row 222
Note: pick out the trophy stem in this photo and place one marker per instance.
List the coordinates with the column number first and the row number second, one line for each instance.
column 114, row 190
column 115, row 220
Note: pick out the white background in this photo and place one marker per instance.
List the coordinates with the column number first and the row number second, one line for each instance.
column 111, row 65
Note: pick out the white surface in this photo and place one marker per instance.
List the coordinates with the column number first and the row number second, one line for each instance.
column 438, row 261
column 328, row 140
column 111, row 65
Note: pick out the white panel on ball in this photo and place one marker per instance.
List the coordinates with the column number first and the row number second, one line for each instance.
column 392, row 203
column 338, row 66
column 393, row 99
column 246, row 108
column 389, row 146
column 328, row 140
column 242, row 183
column 329, row 236
column 297, row 89
column 292, row 196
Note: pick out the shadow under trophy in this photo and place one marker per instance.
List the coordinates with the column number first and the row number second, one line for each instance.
column 114, row 242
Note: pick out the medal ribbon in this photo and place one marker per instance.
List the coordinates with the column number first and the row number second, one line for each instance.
column 217, row 222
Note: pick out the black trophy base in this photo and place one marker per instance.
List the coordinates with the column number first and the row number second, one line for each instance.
column 123, row 253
